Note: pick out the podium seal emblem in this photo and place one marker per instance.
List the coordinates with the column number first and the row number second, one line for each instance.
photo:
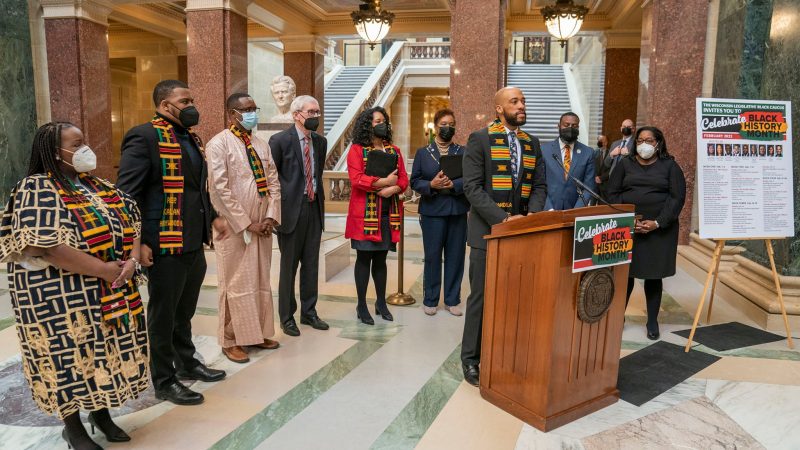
column 595, row 295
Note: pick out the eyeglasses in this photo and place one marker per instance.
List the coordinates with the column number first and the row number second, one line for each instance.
column 650, row 141
column 249, row 110
column 312, row 113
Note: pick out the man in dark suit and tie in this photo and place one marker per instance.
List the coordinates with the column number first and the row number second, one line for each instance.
column 163, row 164
column 564, row 156
column 504, row 179
column 619, row 149
column 299, row 155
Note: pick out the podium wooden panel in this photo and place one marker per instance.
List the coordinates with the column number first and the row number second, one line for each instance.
column 539, row 361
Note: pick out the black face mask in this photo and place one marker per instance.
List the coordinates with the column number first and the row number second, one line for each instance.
column 311, row 123
column 568, row 134
column 381, row 130
column 189, row 116
column 599, row 144
column 627, row 131
column 447, row 133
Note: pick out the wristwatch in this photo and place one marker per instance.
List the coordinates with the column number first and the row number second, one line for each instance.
column 657, row 225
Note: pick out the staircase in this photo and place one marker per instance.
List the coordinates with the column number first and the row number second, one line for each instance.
column 546, row 97
column 341, row 91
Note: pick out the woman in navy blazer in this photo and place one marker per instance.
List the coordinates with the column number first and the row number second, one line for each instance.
column 442, row 217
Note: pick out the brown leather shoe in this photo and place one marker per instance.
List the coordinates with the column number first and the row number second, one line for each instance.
column 236, row 354
column 268, row 344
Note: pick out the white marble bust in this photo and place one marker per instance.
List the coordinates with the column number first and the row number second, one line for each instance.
column 283, row 91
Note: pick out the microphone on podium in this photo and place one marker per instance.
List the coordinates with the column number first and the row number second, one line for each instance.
column 582, row 187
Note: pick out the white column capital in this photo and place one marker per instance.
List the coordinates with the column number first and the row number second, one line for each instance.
column 622, row 39
column 92, row 10
column 237, row 6
column 304, row 43
column 405, row 91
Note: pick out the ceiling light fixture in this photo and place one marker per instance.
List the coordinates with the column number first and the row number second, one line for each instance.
column 372, row 23
column 564, row 19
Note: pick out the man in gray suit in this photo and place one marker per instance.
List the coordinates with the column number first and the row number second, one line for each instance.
column 619, row 149
column 500, row 187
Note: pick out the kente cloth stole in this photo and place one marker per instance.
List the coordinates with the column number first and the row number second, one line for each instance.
column 121, row 304
column 372, row 222
column 170, row 236
column 502, row 180
column 255, row 161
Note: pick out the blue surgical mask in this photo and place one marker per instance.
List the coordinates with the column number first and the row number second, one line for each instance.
column 249, row 120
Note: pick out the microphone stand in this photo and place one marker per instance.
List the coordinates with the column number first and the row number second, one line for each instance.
column 580, row 187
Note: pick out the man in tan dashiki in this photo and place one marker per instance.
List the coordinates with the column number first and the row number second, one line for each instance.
column 244, row 189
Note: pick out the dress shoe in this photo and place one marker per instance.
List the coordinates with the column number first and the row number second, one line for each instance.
column 652, row 333
column 112, row 432
column 179, row 394
column 268, row 344
column 79, row 445
column 472, row 374
column 363, row 314
column 236, row 354
column 290, row 328
column 382, row 310
column 454, row 310
column 429, row 310
column 315, row 322
column 202, row 373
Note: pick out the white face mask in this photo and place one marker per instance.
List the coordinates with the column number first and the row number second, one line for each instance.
column 646, row 151
column 83, row 159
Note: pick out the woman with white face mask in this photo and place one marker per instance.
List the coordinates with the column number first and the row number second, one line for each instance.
column 71, row 241
column 650, row 179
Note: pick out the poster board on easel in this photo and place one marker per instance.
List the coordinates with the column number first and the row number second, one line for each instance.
column 745, row 187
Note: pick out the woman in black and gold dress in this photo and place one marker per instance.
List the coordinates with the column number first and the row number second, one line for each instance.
column 71, row 241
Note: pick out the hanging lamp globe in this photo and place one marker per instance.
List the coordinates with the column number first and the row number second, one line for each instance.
column 372, row 23
column 564, row 19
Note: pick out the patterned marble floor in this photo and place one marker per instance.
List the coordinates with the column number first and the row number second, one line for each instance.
column 397, row 385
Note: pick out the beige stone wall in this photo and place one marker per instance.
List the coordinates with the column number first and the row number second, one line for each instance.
column 124, row 105
column 264, row 62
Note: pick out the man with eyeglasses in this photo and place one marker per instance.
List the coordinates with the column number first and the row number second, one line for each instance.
column 299, row 155
column 244, row 189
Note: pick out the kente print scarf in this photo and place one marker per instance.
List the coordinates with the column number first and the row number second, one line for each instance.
column 170, row 237
column 255, row 161
column 502, row 180
column 372, row 221
column 117, row 305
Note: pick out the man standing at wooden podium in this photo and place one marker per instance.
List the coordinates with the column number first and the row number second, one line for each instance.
column 504, row 179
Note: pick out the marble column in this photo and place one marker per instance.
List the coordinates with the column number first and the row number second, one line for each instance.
column 18, row 104
column 304, row 62
column 621, row 90
column 78, row 72
column 216, row 54
column 478, row 68
column 675, row 81
column 401, row 121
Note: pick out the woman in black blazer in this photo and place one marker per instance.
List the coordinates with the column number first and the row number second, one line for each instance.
column 443, row 217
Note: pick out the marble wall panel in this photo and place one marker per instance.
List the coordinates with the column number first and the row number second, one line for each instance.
column 17, row 96
column 264, row 62
column 621, row 91
column 307, row 69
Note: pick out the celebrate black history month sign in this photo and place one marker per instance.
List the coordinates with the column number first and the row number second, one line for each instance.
column 744, row 168
column 602, row 241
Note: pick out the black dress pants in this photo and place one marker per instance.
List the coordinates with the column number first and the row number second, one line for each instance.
column 174, row 286
column 300, row 247
column 473, row 317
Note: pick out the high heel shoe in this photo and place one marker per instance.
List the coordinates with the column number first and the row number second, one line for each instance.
column 65, row 436
column 363, row 315
column 113, row 433
column 383, row 311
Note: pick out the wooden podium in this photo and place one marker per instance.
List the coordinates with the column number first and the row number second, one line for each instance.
column 539, row 360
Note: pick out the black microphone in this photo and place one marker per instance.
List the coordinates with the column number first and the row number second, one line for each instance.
column 582, row 187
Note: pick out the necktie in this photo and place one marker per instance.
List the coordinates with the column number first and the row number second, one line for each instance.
column 567, row 160
column 307, row 167
column 512, row 149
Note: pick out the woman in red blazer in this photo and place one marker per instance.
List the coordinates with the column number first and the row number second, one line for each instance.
column 376, row 210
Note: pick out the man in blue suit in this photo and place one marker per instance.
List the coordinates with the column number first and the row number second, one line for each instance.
column 575, row 158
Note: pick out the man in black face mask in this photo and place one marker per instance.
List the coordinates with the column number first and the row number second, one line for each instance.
column 563, row 157
column 164, row 170
column 299, row 155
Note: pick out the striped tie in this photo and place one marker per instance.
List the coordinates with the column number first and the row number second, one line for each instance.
column 567, row 161
column 307, row 167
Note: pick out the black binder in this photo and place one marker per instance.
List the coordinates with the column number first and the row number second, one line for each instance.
column 451, row 166
column 380, row 164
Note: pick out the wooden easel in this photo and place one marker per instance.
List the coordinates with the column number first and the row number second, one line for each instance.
column 713, row 272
